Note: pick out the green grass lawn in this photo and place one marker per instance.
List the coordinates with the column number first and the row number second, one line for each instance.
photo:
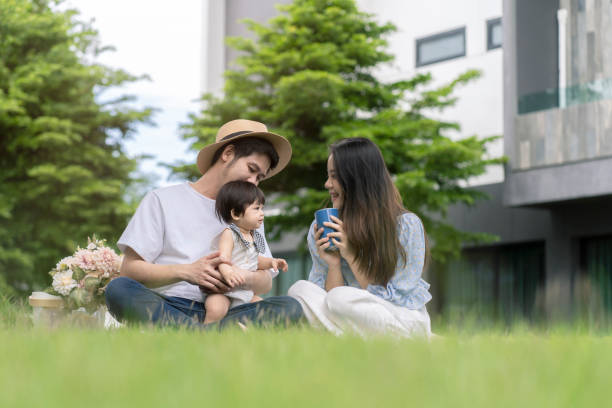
column 73, row 367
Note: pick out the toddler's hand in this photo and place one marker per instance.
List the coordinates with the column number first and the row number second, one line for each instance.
column 280, row 263
column 232, row 278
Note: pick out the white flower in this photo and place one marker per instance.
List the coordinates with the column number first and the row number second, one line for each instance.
column 91, row 246
column 63, row 282
column 65, row 263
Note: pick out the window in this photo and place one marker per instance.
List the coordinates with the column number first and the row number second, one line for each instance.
column 440, row 47
column 593, row 287
column 494, row 33
column 497, row 283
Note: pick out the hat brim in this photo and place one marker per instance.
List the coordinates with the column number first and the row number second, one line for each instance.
column 280, row 144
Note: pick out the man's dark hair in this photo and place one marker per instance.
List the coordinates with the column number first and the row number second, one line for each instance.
column 237, row 196
column 246, row 147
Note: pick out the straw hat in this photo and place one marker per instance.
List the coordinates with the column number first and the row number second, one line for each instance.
column 239, row 129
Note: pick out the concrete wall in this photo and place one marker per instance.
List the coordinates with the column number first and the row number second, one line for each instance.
column 589, row 28
column 213, row 46
column 236, row 10
column 511, row 225
column 557, row 154
column 548, row 185
column 557, row 136
column 582, row 129
column 222, row 19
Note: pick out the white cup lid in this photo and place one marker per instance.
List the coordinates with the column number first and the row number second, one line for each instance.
column 43, row 299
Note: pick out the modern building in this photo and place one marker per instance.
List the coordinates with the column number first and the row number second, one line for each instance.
column 552, row 212
column 548, row 90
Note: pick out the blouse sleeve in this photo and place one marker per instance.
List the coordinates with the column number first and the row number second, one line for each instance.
column 318, row 272
column 406, row 288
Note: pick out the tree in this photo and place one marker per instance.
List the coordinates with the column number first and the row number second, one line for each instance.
column 310, row 76
column 63, row 171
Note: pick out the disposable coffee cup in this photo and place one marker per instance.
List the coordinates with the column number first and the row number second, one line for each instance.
column 324, row 215
column 47, row 310
column 45, row 300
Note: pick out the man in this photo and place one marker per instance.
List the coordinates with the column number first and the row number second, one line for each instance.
column 168, row 266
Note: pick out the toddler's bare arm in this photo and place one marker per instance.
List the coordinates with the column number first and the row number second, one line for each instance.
column 264, row 262
column 226, row 246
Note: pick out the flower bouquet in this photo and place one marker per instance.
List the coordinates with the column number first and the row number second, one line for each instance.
column 81, row 279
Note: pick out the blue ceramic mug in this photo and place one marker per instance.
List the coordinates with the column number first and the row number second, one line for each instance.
column 324, row 215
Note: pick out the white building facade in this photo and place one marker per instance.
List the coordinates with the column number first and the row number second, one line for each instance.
column 446, row 38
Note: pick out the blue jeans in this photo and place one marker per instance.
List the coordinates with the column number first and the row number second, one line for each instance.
column 130, row 301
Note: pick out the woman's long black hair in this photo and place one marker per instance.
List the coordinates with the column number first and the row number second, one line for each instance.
column 372, row 205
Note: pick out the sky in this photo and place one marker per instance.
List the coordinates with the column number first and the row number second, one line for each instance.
column 163, row 40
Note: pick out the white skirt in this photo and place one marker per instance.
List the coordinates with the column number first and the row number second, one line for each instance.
column 239, row 297
column 347, row 309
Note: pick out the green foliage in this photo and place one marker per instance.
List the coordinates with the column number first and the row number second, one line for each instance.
column 310, row 77
column 63, row 172
column 6, row 291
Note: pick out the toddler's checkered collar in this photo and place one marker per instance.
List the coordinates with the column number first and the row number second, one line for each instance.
column 260, row 244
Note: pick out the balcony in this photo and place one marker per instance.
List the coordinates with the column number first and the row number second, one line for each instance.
column 562, row 146
column 561, row 126
column 565, row 97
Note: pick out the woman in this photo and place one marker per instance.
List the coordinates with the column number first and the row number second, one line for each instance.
column 372, row 283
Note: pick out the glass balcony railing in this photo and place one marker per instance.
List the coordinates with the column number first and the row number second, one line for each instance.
column 556, row 98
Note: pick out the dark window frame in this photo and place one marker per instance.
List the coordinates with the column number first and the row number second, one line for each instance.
column 504, row 252
column 429, row 38
column 595, row 242
column 490, row 25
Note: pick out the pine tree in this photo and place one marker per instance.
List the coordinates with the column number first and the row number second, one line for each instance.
column 63, row 171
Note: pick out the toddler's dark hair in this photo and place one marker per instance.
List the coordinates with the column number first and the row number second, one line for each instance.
column 237, row 196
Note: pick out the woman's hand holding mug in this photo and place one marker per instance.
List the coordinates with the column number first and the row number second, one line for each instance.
column 339, row 238
column 332, row 258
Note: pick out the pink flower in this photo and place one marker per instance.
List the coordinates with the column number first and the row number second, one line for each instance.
column 101, row 260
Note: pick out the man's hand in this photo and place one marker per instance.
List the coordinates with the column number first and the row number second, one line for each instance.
column 205, row 273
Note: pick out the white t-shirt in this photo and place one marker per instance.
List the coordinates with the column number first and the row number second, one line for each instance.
column 176, row 225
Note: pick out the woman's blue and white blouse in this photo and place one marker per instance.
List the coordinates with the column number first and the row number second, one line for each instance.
column 406, row 288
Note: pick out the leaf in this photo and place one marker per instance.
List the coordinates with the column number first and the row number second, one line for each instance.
column 77, row 273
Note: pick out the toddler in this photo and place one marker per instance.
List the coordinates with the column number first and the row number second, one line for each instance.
column 239, row 204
